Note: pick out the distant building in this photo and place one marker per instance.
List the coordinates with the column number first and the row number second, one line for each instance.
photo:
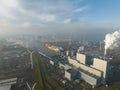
column 67, row 53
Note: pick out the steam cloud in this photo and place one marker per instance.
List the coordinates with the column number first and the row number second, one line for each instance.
column 112, row 40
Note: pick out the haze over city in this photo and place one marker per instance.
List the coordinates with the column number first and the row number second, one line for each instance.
column 71, row 16
column 59, row 45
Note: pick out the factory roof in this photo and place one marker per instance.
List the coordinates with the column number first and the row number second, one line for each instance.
column 102, row 57
column 59, row 59
column 88, row 73
column 72, row 71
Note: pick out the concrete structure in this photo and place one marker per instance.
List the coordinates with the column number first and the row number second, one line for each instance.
column 94, row 74
column 67, row 75
column 85, row 59
column 67, row 53
column 92, row 70
column 61, row 65
column 6, row 83
column 51, row 62
column 71, row 74
column 64, row 66
column 81, row 58
column 90, row 78
column 85, row 67
column 101, row 65
column 67, row 67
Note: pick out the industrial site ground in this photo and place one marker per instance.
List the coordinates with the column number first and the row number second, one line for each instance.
column 49, row 78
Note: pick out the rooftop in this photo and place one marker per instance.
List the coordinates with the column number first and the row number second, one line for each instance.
column 88, row 73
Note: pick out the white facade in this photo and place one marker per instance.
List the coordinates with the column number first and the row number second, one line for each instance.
column 91, row 80
column 51, row 62
column 67, row 53
column 90, row 75
column 100, row 65
column 66, row 67
column 67, row 75
column 81, row 58
column 84, row 67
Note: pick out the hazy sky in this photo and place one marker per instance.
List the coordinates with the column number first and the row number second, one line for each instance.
column 22, row 16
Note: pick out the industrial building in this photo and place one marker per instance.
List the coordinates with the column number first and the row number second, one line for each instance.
column 90, row 78
column 101, row 65
column 88, row 68
column 72, row 74
column 87, row 73
column 64, row 66
column 92, row 70
column 77, row 64
column 51, row 62
column 6, row 83
column 85, row 59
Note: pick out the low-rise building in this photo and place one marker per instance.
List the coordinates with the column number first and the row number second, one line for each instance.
column 64, row 66
column 71, row 74
column 6, row 83
column 51, row 62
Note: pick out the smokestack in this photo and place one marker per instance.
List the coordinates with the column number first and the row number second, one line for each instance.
column 112, row 40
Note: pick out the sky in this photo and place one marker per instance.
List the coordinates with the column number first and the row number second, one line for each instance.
column 28, row 16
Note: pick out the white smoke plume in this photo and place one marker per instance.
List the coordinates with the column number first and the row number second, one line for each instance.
column 112, row 40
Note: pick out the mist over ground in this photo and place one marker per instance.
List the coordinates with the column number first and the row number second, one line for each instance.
column 59, row 31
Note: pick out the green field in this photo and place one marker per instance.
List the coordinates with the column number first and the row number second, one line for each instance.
column 44, row 81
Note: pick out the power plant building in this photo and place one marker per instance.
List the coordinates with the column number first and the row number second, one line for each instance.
column 101, row 65
column 85, row 59
column 84, row 67
column 94, row 74
column 81, row 58
column 90, row 78
column 71, row 74
column 92, row 70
